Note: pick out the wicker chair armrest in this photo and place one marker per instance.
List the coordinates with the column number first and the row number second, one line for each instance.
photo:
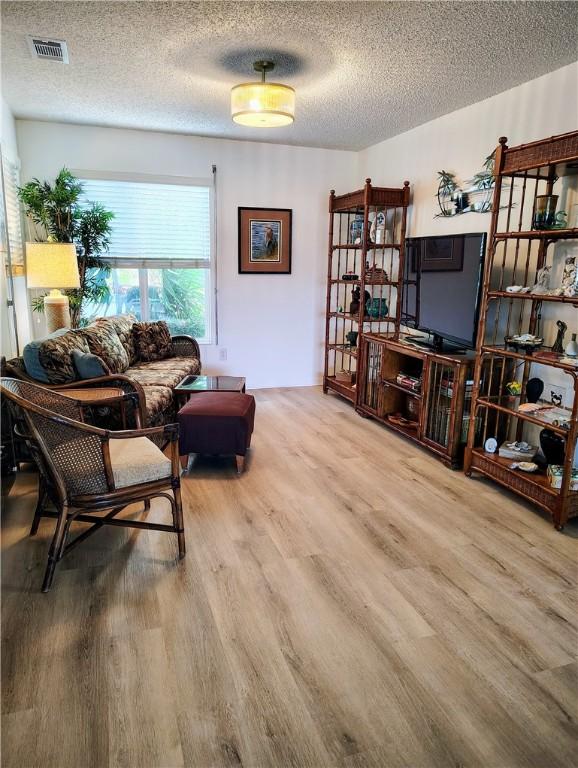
column 170, row 431
column 118, row 380
column 186, row 346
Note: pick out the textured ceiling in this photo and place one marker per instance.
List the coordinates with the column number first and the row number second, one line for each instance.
column 362, row 71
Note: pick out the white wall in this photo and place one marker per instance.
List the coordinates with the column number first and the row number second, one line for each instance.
column 8, row 135
column 459, row 142
column 271, row 326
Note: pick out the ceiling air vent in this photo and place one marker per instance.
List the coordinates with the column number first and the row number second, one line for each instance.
column 49, row 50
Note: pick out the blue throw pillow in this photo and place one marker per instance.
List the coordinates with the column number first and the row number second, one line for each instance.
column 31, row 358
column 88, row 366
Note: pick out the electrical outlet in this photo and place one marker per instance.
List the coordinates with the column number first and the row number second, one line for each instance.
column 555, row 394
column 222, row 353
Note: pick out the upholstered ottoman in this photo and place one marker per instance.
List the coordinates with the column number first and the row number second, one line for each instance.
column 217, row 423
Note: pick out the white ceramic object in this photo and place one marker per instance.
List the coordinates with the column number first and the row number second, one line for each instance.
column 491, row 445
column 572, row 347
column 542, row 285
column 525, row 466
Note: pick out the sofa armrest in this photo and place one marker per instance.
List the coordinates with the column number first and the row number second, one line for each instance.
column 186, row 346
column 125, row 383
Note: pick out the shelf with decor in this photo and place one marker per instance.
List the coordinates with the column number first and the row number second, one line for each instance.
column 533, row 297
column 364, row 276
column 530, row 289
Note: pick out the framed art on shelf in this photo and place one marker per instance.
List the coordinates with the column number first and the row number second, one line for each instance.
column 265, row 241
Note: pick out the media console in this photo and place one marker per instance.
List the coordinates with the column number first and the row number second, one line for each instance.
column 421, row 394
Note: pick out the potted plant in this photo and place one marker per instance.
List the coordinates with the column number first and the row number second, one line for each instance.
column 514, row 390
column 58, row 214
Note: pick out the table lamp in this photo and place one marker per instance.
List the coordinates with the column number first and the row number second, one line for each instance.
column 49, row 265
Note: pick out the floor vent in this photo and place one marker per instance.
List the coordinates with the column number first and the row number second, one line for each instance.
column 48, row 50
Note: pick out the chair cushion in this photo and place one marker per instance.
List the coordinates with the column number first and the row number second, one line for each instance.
column 88, row 366
column 137, row 460
column 55, row 359
column 122, row 324
column 152, row 341
column 216, row 423
column 31, row 357
column 164, row 373
column 103, row 341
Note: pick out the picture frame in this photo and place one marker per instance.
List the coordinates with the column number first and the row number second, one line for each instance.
column 265, row 241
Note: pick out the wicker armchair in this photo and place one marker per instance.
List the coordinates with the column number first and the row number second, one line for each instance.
column 85, row 470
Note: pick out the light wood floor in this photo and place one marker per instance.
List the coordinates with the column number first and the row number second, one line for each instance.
column 347, row 602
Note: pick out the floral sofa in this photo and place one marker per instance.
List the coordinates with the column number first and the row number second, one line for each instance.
column 150, row 382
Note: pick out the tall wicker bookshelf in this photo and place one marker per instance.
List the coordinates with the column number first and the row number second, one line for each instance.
column 359, row 262
column 517, row 251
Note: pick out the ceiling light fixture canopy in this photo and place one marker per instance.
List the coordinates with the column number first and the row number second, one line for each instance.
column 261, row 104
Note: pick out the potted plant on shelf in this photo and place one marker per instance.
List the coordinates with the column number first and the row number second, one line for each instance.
column 514, row 390
column 59, row 214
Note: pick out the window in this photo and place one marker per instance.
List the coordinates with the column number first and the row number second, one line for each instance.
column 161, row 252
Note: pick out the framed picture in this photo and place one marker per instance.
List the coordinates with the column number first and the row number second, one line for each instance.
column 265, row 241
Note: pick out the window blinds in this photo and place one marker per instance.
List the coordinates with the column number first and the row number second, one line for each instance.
column 13, row 220
column 168, row 224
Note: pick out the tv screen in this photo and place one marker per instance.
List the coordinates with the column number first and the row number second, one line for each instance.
column 443, row 281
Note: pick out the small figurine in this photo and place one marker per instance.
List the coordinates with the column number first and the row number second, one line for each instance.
column 558, row 345
column 378, row 229
column 542, row 285
column 569, row 284
column 356, row 300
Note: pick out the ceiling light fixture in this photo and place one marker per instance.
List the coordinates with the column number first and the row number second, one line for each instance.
column 263, row 105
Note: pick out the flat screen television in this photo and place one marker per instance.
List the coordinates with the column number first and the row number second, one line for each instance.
column 442, row 288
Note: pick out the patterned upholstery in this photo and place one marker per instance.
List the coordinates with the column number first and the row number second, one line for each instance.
column 152, row 340
column 104, row 342
column 156, row 378
column 54, row 356
column 159, row 404
column 122, row 324
column 167, row 373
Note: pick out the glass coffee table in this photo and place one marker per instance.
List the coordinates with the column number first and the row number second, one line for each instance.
column 190, row 385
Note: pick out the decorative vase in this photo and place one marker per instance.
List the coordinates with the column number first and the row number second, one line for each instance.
column 553, row 446
column 377, row 308
column 545, row 211
column 534, row 389
column 572, row 347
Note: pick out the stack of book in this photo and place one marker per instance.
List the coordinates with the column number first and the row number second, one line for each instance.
column 447, row 388
column 555, row 472
column 409, row 382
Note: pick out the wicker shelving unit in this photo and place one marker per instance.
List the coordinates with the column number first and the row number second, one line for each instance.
column 434, row 413
column 516, row 253
column 378, row 267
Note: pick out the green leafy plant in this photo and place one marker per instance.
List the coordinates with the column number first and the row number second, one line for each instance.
column 514, row 388
column 58, row 214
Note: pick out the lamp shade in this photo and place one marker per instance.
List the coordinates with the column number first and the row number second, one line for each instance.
column 263, row 105
column 51, row 265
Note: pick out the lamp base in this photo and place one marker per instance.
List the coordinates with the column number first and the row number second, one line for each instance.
column 56, row 311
